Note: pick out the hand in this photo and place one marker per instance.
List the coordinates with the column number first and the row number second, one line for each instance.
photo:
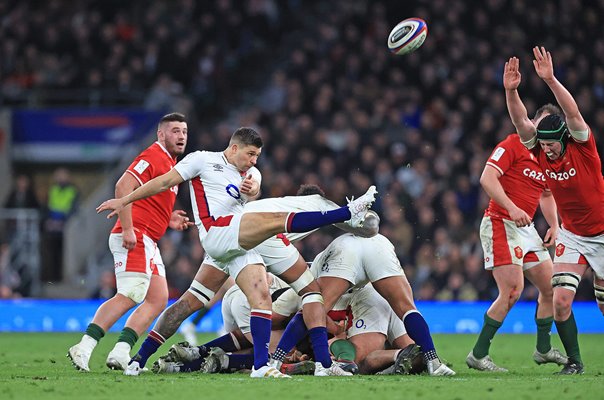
column 520, row 217
column 249, row 186
column 113, row 204
column 511, row 74
column 543, row 63
column 550, row 237
column 179, row 220
column 128, row 239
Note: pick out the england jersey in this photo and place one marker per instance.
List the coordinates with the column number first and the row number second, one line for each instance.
column 214, row 185
column 521, row 177
column 576, row 182
column 151, row 215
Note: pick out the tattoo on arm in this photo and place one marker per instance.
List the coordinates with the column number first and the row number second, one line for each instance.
column 172, row 317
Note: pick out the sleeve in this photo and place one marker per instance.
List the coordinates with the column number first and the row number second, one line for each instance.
column 191, row 166
column 581, row 136
column 143, row 167
column 502, row 157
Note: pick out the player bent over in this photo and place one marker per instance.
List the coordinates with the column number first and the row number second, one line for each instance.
column 220, row 184
column 139, row 269
column 512, row 247
column 566, row 150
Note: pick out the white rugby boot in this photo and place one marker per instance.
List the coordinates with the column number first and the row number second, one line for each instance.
column 358, row 207
column 267, row 372
column 552, row 356
column 333, row 370
column 438, row 368
column 118, row 358
column 163, row 366
column 483, row 364
column 184, row 352
column 80, row 353
column 216, row 361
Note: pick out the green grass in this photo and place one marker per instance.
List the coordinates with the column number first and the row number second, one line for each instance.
column 34, row 366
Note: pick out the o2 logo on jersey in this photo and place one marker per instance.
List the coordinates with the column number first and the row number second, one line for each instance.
column 360, row 324
column 233, row 191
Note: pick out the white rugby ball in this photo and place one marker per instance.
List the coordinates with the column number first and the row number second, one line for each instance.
column 407, row 36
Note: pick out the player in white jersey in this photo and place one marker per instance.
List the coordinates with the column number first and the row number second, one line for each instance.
column 351, row 261
column 221, row 183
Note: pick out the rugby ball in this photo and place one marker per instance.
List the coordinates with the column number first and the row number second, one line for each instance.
column 407, row 36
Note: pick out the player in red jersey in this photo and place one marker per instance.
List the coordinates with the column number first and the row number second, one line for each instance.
column 139, row 269
column 566, row 150
column 512, row 247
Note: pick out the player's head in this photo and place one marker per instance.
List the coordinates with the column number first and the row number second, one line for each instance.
column 172, row 133
column 552, row 135
column 244, row 149
column 308, row 189
column 544, row 111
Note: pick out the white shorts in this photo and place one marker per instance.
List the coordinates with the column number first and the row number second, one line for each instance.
column 235, row 265
column 339, row 263
column 371, row 313
column 503, row 243
column 236, row 310
column 287, row 304
column 278, row 254
column 575, row 249
column 221, row 242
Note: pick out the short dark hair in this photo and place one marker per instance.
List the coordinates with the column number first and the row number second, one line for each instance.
column 247, row 137
column 172, row 117
column 308, row 189
column 549, row 109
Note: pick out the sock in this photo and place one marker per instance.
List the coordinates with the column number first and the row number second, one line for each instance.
column 128, row 336
column 567, row 330
column 488, row 331
column 95, row 331
column 239, row 361
column 318, row 339
column 192, row 366
column 199, row 316
column 308, row 220
column 544, row 339
column 225, row 342
column 342, row 349
column 153, row 341
column 418, row 330
column 260, row 324
column 294, row 332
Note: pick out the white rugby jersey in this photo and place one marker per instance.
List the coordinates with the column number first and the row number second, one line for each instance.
column 314, row 202
column 214, row 186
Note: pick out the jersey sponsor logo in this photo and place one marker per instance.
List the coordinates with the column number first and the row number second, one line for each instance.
column 518, row 252
column 218, row 167
column 561, row 176
column 497, row 153
column 537, row 175
column 360, row 324
column 141, row 166
column 560, row 249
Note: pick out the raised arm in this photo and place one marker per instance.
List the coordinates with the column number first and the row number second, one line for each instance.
column 516, row 109
column 490, row 183
column 544, row 67
column 154, row 186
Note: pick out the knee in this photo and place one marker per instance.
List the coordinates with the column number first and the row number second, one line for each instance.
column 562, row 302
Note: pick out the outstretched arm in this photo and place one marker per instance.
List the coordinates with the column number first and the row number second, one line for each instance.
column 490, row 182
column 544, row 67
column 156, row 185
column 516, row 109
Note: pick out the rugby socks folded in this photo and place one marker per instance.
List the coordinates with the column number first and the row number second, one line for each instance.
column 153, row 342
column 129, row 336
column 95, row 331
column 567, row 330
column 260, row 325
column 308, row 220
column 418, row 330
column 487, row 333
column 544, row 339
column 294, row 332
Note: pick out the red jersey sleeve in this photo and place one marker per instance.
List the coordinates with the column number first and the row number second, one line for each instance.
column 143, row 167
column 503, row 157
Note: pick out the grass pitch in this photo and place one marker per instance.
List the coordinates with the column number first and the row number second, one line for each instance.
column 34, row 366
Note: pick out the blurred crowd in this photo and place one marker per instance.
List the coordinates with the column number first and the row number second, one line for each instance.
column 337, row 109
